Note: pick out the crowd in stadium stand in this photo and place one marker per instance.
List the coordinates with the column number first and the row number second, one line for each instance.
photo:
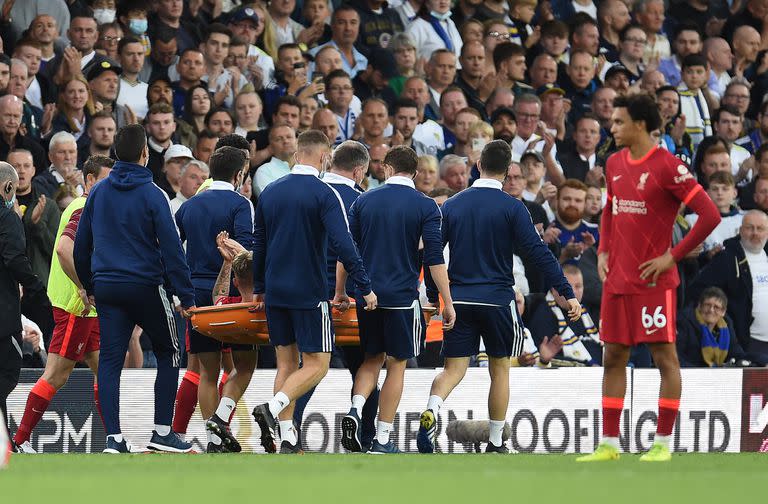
column 443, row 77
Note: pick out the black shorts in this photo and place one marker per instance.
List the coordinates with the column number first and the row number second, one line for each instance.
column 397, row 332
column 499, row 326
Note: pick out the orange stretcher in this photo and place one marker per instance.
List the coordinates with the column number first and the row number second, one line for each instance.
column 242, row 323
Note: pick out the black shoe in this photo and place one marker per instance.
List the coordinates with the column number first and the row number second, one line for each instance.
column 215, row 448
column 350, row 432
column 491, row 448
column 219, row 427
column 267, row 424
column 287, row 448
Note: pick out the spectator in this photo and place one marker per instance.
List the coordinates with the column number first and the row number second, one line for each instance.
column 578, row 157
column 706, row 16
column 109, row 35
column 602, row 107
column 584, row 33
column 454, row 172
column 378, row 23
column 220, row 121
column 405, row 118
column 674, row 138
column 190, row 69
column 317, row 14
column 441, row 195
column 168, row 13
column 509, row 62
column 720, row 58
column 546, row 319
column 472, row 78
column 193, row 174
column 44, row 30
column 613, row 16
column 687, row 41
column 407, row 11
column 652, row 80
column 325, row 121
column 176, row 156
column 345, row 25
column 441, row 72
column 579, row 83
column 737, row 93
column 204, row 146
column 759, row 134
column 761, row 194
column 705, row 334
column 287, row 112
column 722, row 190
column 163, row 57
column 747, row 192
column 79, row 57
column 741, row 271
column 160, row 129
column 554, row 40
column 593, row 204
column 576, row 235
column 504, row 124
column 75, row 107
column 618, row 78
column 39, row 214
column 248, row 109
column 714, row 158
column 62, row 153
column 650, row 15
column 286, row 29
column 405, row 59
column 223, row 84
column 104, row 81
column 633, row 43
column 373, row 122
column 465, row 119
column 544, row 69
column 452, row 100
column 282, row 144
column 515, row 185
column 40, row 90
column 426, row 175
column 753, row 15
column 376, row 168
column 196, row 107
column 132, row 17
column 728, row 124
column 434, row 29
column 374, row 81
column 339, row 93
column 11, row 110
column 101, row 132
column 531, row 136
column 133, row 91
column 693, row 104
column 746, row 44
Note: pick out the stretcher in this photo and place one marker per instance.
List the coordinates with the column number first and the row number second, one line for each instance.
column 242, row 323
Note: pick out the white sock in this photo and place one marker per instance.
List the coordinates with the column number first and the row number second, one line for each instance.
column 663, row 440
column 117, row 437
column 612, row 441
column 213, row 438
column 358, row 402
column 435, row 403
column 278, row 403
column 288, row 431
column 163, row 430
column 225, row 409
column 382, row 432
column 496, row 429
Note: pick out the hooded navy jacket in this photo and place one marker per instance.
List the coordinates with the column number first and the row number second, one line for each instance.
column 127, row 235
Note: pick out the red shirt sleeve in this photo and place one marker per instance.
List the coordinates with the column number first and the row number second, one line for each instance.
column 70, row 230
column 222, row 300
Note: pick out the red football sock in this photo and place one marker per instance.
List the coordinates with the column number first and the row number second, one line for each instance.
column 37, row 402
column 186, row 400
column 222, row 382
column 667, row 415
column 612, row 407
column 96, row 401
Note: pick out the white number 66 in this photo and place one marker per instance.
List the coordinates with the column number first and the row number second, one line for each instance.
column 658, row 319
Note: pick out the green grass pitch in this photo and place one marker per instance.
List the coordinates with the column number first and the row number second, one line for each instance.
column 319, row 478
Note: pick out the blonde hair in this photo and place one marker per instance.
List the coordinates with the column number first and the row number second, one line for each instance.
column 268, row 36
column 430, row 161
column 480, row 127
column 242, row 265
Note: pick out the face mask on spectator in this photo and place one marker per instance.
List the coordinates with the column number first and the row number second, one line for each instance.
column 440, row 16
column 104, row 16
column 137, row 26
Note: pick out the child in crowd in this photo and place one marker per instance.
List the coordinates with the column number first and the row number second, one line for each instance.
column 722, row 190
column 693, row 105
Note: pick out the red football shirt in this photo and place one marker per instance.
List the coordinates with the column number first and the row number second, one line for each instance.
column 70, row 230
column 222, row 300
column 645, row 197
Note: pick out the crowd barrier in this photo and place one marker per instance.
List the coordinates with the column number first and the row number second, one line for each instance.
column 551, row 411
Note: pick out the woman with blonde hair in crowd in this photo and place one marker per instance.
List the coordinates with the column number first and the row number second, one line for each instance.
column 266, row 38
column 426, row 174
column 73, row 110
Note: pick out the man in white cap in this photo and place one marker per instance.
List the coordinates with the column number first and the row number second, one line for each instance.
column 175, row 157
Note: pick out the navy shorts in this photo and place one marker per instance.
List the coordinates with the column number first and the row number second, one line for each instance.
column 499, row 326
column 200, row 343
column 311, row 330
column 399, row 333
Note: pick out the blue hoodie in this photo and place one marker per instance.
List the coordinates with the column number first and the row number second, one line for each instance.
column 127, row 234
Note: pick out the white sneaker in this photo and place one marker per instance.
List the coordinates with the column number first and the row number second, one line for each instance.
column 26, row 447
